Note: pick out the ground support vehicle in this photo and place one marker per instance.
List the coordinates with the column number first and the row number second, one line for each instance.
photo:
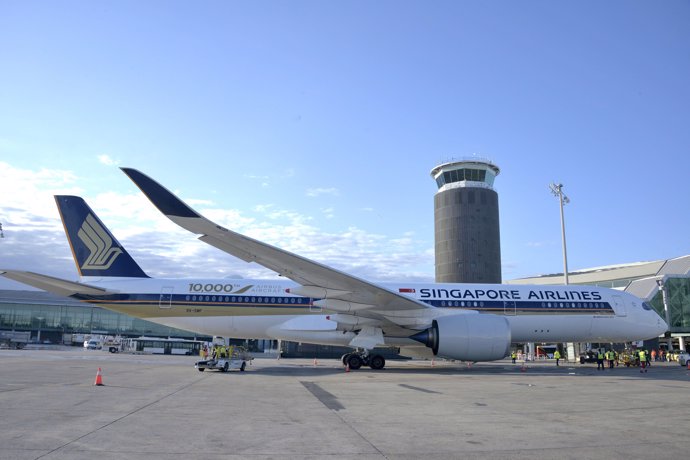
column 683, row 358
column 238, row 360
column 221, row 364
column 14, row 339
column 630, row 359
column 588, row 357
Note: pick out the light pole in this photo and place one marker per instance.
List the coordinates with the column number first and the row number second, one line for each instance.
column 557, row 190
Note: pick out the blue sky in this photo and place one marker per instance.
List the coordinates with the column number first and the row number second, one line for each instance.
column 314, row 125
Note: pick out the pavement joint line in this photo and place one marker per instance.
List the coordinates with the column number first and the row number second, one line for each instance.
column 336, row 412
column 423, row 390
column 199, row 378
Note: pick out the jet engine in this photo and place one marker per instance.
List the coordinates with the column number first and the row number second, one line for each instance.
column 470, row 337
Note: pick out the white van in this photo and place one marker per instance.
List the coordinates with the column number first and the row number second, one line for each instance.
column 93, row 345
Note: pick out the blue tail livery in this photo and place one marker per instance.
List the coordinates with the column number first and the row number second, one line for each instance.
column 96, row 251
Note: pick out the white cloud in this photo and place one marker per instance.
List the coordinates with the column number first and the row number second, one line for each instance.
column 314, row 192
column 35, row 240
column 538, row 244
column 106, row 160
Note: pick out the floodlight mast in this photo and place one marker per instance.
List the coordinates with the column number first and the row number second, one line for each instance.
column 557, row 190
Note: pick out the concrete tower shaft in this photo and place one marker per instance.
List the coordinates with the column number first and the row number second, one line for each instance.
column 466, row 223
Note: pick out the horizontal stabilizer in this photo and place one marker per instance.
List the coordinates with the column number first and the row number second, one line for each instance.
column 57, row 286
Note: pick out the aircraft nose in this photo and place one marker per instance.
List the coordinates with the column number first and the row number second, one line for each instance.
column 659, row 325
column 663, row 327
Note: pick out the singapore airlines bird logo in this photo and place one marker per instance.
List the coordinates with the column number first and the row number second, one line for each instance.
column 100, row 245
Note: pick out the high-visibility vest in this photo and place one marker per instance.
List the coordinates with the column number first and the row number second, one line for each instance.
column 643, row 356
column 600, row 355
column 557, row 355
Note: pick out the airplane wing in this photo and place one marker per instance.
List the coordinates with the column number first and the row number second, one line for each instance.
column 57, row 286
column 340, row 291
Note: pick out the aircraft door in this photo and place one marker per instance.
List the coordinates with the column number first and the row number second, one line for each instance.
column 509, row 308
column 166, row 297
column 619, row 306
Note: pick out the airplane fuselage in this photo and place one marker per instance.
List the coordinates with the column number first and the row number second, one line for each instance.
column 254, row 309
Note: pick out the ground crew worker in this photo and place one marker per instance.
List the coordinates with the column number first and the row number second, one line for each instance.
column 600, row 359
column 557, row 356
column 610, row 357
column 513, row 356
column 643, row 361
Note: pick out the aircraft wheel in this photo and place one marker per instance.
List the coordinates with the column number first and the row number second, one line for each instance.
column 344, row 358
column 243, row 366
column 354, row 361
column 226, row 366
column 377, row 362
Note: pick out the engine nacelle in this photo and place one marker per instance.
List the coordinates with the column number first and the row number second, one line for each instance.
column 470, row 337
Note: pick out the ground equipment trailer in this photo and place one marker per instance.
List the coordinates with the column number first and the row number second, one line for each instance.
column 14, row 339
column 238, row 360
column 221, row 364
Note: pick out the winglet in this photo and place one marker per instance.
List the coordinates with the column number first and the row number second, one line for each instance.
column 96, row 251
column 161, row 197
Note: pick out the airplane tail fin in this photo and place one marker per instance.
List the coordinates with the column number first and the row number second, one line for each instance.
column 96, row 251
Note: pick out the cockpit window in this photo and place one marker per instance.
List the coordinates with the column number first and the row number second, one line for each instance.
column 646, row 306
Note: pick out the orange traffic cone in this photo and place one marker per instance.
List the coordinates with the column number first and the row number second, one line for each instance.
column 316, row 363
column 347, row 367
column 99, row 379
column 432, row 362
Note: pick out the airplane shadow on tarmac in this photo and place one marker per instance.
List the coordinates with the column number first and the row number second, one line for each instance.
column 286, row 368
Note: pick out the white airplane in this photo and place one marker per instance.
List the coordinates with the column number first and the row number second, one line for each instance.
column 321, row 305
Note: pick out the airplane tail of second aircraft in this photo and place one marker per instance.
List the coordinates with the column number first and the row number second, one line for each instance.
column 96, row 251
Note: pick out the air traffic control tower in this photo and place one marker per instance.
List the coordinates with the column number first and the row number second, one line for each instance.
column 467, row 236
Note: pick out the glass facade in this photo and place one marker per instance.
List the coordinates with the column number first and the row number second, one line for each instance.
column 678, row 299
column 50, row 318
column 458, row 175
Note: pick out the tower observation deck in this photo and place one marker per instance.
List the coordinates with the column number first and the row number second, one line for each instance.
column 466, row 226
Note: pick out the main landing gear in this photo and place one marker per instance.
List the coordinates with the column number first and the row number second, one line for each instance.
column 357, row 359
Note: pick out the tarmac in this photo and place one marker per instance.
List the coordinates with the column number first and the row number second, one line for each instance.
column 160, row 407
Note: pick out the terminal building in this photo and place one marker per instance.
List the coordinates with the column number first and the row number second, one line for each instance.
column 54, row 319
column 665, row 284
